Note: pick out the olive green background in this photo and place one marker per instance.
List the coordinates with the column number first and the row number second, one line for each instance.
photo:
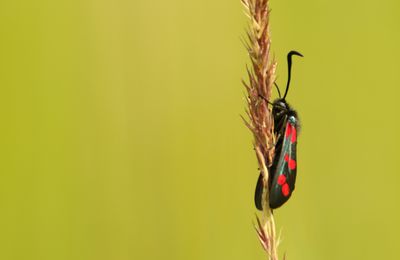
column 121, row 136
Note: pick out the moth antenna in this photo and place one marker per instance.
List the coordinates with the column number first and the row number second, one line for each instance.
column 289, row 61
column 277, row 88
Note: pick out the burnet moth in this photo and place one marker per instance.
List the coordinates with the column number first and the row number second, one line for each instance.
column 282, row 172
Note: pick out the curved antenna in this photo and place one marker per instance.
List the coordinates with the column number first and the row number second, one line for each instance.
column 289, row 60
column 277, row 88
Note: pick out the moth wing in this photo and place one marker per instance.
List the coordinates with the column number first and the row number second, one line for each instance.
column 284, row 177
column 259, row 192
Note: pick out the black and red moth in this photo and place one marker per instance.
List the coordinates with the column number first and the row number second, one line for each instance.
column 282, row 172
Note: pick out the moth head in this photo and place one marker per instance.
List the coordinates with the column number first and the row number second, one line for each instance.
column 280, row 105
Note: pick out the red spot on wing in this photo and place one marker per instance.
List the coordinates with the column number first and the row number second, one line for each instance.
column 286, row 157
column 294, row 135
column 285, row 189
column 288, row 130
column 281, row 179
column 292, row 164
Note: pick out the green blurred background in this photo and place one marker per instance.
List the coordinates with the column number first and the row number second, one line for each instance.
column 121, row 136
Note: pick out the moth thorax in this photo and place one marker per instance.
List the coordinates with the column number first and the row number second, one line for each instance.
column 292, row 120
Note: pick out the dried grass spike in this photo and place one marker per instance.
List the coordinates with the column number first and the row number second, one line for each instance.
column 261, row 77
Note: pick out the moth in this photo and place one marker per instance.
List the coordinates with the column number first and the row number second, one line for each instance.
column 283, row 171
